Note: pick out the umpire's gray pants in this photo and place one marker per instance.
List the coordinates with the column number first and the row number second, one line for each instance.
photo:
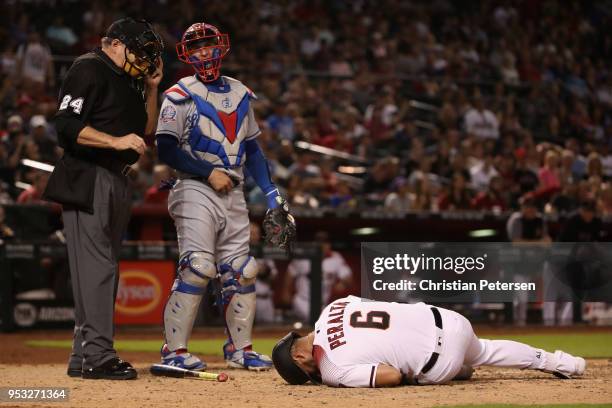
column 94, row 243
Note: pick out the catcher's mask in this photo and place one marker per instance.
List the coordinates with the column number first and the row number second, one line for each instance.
column 285, row 364
column 143, row 46
column 203, row 47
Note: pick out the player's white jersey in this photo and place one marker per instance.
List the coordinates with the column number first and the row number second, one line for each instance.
column 211, row 122
column 354, row 335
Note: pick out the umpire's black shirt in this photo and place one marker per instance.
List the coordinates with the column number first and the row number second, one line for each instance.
column 98, row 93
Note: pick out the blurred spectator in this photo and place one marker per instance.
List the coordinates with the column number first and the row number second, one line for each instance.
column 481, row 174
column 5, row 197
column 157, row 193
column 548, row 175
column 604, row 203
column 280, row 121
column 46, row 147
column 337, row 278
column 584, row 226
column 343, row 196
column 144, row 176
column 33, row 194
column 379, row 181
column 266, row 312
column 481, row 122
column 525, row 179
column 13, row 141
column 402, row 199
column 525, row 226
column 60, row 36
column 494, row 198
column 594, row 166
column 456, row 196
column 424, row 195
column 5, row 231
column 563, row 202
column 35, row 64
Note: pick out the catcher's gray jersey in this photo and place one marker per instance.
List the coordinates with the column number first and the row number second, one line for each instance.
column 211, row 122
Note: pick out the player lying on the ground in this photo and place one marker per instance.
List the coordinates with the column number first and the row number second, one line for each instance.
column 362, row 343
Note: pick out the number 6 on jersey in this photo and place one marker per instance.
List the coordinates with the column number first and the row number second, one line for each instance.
column 375, row 319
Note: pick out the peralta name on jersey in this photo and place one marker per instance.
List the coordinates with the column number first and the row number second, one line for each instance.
column 335, row 331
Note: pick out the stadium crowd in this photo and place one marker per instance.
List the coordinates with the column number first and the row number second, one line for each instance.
column 439, row 106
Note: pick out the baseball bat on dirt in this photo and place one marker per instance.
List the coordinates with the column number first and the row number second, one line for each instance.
column 176, row 372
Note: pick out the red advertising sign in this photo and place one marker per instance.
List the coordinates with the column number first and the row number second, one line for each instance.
column 143, row 289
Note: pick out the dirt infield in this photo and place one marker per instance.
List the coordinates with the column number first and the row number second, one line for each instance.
column 267, row 389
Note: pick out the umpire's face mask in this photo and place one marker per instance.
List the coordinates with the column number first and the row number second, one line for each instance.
column 136, row 65
column 142, row 54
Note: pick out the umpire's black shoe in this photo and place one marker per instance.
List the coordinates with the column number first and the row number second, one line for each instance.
column 113, row 369
column 74, row 372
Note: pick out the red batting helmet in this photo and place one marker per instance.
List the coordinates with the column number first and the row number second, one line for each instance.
column 203, row 46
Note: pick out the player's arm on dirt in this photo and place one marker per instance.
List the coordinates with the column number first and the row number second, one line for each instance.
column 387, row 376
column 365, row 376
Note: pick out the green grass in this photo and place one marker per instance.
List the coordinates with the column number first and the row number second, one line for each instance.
column 584, row 344
column 530, row 406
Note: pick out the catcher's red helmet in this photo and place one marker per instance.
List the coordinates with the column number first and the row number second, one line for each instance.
column 203, row 46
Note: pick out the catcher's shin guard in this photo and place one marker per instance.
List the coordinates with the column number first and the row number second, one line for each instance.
column 238, row 296
column 194, row 272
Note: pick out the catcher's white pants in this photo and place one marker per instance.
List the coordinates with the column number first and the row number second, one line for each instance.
column 461, row 346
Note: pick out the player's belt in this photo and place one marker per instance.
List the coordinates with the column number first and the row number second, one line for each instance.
column 235, row 181
column 434, row 356
column 114, row 166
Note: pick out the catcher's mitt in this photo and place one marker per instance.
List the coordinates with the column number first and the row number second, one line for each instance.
column 279, row 226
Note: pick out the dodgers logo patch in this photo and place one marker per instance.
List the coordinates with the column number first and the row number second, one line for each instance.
column 168, row 114
column 226, row 103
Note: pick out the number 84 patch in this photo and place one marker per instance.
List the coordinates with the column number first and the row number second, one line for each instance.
column 76, row 104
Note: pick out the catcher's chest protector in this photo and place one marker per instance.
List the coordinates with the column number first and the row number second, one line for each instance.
column 221, row 121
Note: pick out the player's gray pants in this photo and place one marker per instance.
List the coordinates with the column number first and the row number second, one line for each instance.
column 210, row 222
column 94, row 243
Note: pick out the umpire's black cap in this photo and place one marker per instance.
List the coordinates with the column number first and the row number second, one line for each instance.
column 138, row 36
column 126, row 29
column 285, row 364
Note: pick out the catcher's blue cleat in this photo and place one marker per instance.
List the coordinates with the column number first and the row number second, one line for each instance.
column 247, row 359
column 182, row 359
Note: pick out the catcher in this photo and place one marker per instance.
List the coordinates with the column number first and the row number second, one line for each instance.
column 207, row 132
column 362, row 343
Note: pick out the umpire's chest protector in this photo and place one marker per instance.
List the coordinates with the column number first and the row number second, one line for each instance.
column 219, row 119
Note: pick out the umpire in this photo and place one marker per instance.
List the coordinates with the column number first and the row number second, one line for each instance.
column 107, row 102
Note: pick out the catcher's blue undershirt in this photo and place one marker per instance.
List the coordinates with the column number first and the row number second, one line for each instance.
column 170, row 153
